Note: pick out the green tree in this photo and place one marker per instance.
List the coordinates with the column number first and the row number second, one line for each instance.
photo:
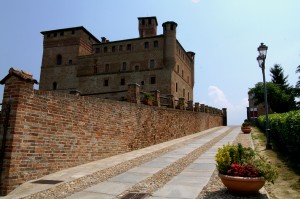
column 278, row 77
column 278, row 100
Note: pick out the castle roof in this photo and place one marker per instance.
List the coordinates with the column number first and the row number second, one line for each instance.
column 72, row 28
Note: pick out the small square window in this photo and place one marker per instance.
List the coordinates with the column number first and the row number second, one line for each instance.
column 123, row 81
column 152, row 80
column 137, row 68
column 105, row 82
column 113, row 49
column 142, row 83
column 70, row 61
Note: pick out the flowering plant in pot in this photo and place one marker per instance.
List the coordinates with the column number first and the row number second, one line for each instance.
column 246, row 127
column 242, row 170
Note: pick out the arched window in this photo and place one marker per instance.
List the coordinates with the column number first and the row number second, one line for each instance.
column 105, row 49
column 146, row 45
column 59, row 59
column 54, row 85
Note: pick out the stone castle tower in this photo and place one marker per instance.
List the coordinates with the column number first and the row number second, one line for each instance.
column 74, row 59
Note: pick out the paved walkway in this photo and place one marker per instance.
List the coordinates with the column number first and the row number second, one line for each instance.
column 180, row 172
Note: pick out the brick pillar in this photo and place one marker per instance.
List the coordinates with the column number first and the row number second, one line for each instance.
column 197, row 107
column 18, row 88
column 156, row 100
column 171, row 101
column 202, row 108
column 133, row 94
column 224, row 116
column 190, row 105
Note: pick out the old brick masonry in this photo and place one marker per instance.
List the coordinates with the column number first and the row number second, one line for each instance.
column 50, row 131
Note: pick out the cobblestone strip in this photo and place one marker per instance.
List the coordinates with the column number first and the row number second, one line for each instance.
column 71, row 187
column 160, row 178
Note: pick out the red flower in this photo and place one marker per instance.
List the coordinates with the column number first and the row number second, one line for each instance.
column 242, row 170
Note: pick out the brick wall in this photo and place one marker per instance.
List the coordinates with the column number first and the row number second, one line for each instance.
column 50, row 131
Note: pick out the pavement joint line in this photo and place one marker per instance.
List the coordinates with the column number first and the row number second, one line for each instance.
column 149, row 186
column 81, row 183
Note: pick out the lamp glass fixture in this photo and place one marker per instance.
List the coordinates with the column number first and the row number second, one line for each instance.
column 262, row 49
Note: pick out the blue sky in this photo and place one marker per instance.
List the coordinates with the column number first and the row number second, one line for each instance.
column 224, row 34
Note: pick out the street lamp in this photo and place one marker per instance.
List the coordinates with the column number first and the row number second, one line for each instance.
column 262, row 49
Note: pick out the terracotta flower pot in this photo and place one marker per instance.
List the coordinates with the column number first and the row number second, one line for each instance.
column 243, row 185
column 246, row 129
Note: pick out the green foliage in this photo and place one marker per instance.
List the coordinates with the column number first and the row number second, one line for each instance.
column 278, row 77
column 237, row 154
column 266, row 169
column 279, row 100
column 148, row 96
column 285, row 129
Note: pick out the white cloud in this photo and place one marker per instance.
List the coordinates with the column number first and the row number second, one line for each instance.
column 236, row 113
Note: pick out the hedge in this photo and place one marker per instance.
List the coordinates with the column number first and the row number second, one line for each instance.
column 285, row 129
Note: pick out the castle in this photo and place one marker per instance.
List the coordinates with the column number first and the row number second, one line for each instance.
column 75, row 60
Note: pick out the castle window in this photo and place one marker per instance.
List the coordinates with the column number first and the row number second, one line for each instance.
column 137, row 68
column 106, row 69
column 155, row 43
column 70, row 61
column 128, row 46
column 105, row 83
column 188, row 95
column 143, row 22
column 188, row 79
column 73, row 32
column 152, row 64
column 172, row 27
column 183, row 92
column 182, row 73
column 97, row 50
column 120, row 48
column 113, row 49
column 123, row 81
column 61, row 33
column 48, row 35
column 142, row 82
column 54, row 85
column 124, row 66
column 59, row 59
column 152, row 80
column 176, row 87
column 146, row 44
column 55, row 34
column 95, row 69
column 177, row 68
column 105, row 49
column 149, row 21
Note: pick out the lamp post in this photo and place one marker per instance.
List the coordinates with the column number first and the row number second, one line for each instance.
column 262, row 49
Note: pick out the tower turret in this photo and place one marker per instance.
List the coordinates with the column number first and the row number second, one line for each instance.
column 147, row 26
column 169, row 30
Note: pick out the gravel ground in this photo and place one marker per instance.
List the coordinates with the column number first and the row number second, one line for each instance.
column 215, row 187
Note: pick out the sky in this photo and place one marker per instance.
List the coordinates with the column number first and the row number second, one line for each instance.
column 224, row 34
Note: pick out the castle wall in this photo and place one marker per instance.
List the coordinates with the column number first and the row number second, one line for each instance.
column 50, row 131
